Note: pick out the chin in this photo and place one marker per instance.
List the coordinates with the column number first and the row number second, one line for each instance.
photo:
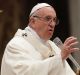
column 49, row 38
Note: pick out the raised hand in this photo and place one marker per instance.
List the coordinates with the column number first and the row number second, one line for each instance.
column 69, row 46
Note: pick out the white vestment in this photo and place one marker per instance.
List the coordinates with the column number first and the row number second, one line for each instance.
column 27, row 55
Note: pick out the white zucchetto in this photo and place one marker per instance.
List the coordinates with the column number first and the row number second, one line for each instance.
column 38, row 6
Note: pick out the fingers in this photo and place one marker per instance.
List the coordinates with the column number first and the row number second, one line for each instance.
column 70, row 40
column 69, row 46
column 74, row 44
column 74, row 49
column 71, row 43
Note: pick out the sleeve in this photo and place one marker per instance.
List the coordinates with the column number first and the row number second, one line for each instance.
column 18, row 62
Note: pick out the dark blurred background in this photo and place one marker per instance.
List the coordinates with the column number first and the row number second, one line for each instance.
column 14, row 14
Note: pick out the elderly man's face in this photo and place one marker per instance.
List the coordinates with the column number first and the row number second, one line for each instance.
column 45, row 21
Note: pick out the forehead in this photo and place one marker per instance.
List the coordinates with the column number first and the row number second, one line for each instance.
column 46, row 11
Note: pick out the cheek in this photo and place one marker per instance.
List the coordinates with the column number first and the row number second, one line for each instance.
column 42, row 27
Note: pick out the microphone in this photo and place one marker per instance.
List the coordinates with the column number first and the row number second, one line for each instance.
column 59, row 43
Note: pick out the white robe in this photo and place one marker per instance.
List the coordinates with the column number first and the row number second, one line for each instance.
column 27, row 55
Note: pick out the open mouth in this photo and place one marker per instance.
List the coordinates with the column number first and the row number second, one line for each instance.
column 50, row 30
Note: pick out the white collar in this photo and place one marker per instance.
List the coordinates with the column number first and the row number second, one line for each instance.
column 35, row 34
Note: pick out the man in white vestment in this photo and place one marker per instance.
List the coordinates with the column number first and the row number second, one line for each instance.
column 31, row 52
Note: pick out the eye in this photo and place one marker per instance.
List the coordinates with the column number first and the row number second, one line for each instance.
column 55, row 19
column 48, row 18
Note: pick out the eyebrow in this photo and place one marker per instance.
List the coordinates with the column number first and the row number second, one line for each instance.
column 50, row 16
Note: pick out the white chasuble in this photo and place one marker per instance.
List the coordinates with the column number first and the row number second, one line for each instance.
column 27, row 55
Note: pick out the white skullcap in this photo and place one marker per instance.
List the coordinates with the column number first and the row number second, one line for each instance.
column 38, row 6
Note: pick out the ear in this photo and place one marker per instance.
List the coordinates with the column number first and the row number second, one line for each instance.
column 32, row 20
